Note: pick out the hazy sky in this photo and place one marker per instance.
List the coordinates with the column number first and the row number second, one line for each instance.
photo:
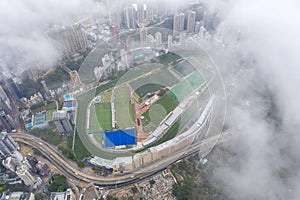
column 22, row 24
column 271, row 31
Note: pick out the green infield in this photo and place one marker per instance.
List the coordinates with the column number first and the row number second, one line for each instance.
column 184, row 68
column 103, row 112
column 153, row 81
column 183, row 89
column 153, row 117
column 158, row 111
column 168, row 58
column 94, row 125
column 139, row 71
column 123, row 107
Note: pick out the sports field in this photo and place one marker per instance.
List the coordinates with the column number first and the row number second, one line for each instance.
column 168, row 58
column 161, row 77
column 138, row 71
column 123, row 107
column 120, row 137
column 154, row 116
column 184, row 68
column 183, row 89
column 159, row 111
column 103, row 112
column 94, row 125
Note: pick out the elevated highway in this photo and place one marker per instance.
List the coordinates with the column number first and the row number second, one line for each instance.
column 71, row 171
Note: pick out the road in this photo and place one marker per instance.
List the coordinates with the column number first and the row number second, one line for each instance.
column 74, row 173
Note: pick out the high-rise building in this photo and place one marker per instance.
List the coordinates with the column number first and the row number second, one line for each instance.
column 7, row 122
column 128, row 17
column 62, row 121
column 140, row 13
column 43, row 82
column 197, row 27
column 9, row 164
column 143, row 35
column 114, row 34
column 14, row 88
column 124, row 58
column 25, row 175
column 158, row 39
column 178, row 23
column 170, row 41
column 150, row 12
column 191, row 22
column 7, row 146
column 4, row 98
column 71, row 39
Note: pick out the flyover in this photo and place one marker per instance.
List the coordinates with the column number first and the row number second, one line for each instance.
column 71, row 171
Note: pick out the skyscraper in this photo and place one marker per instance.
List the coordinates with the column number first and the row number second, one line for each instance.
column 7, row 146
column 128, row 17
column 143, row 35
column 140, row 13
column 71, row 39
column 191, row 22
column 25, row 175
column 7, row 122
column 14, row 88
column 178, row 24
column 114, row 34
column 158, row 39
column 62, row 122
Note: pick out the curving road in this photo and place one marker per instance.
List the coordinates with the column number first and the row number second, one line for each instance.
column 74, row 173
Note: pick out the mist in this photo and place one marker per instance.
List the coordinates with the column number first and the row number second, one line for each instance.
column 270, row 42
column 23, row 42
column 267, row 162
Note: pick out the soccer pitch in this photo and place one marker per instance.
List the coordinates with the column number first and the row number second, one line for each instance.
column 160, row 78
column 123, row 108
column 103, row 112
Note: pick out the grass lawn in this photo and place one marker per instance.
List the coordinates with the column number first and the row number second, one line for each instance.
column 94, row 123
column 41, row 106
column 47, row 135
column 138, row 71
column 103, row 112
column 184, row 68
column 98, row 137
column 80, row 151
column 122, row 106
column 106, row 97
column 159, row 111
column 153, row 81
column 49, row 115
column 183, row 89
column 168, row 58
column 153, row 117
